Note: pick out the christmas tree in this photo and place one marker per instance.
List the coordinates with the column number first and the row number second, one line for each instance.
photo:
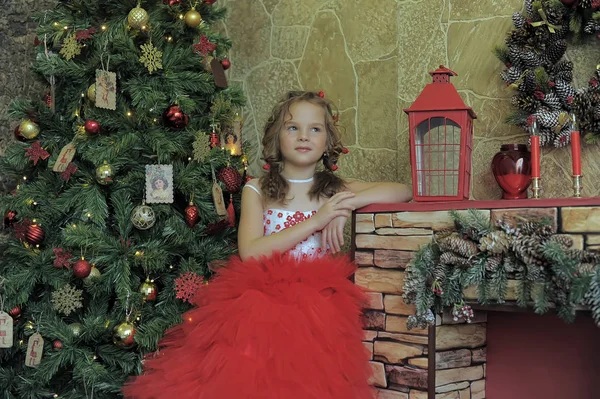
column 126, row 191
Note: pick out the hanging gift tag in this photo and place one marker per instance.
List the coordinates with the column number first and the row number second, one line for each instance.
column 106, row 89
column 218, row 73
column 6, row 330
column 35, row 347
column 218, row 199
column 64, row 158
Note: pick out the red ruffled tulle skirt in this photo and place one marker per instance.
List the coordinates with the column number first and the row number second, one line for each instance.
column 270, row 328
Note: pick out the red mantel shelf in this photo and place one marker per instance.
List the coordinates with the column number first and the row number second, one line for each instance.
column 493, row 204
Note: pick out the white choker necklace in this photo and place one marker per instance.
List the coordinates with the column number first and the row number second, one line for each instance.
column 301, row 181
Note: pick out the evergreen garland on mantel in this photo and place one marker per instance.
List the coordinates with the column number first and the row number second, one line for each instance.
column 475, row 253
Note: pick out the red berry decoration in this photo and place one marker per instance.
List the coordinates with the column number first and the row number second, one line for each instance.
column 191, row 215
column 175, row 118
column 57, row 344
column 231, row 178
column 172, row 2
column 209, row 2
column 18, row 135
column 15, row 312
column 225, row 63
column 91, row 127
column 34, row 234
column 248, row 178
column 82, row 268
column 10, row 217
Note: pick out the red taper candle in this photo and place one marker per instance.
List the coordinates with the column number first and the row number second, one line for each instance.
column 576, row 152
column 535, row 147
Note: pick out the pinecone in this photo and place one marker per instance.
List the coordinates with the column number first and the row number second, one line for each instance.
column 567, row 76
column 524, row 102
column 420, row 321
column 591, row 27
column 449, row 258
column 531, row 228
column 531, row 59
column 527, row 248
column 439, row 272
column 565, row 242
column 585, row 3
column 231, row 178
column 597, row 112
column 529, row 84
column 520, row 36
column 493, row 262
column 554, row 15
column 460, row 246
column 562, row 138
column 547, row 118
column 511, row 75
column 584, row 256
column 529, row 8
column 518, row 20
column 552, row 100
column 496, row 242
column 562, row 66
column 555, row 51
column 546, row 137
column 564, row 90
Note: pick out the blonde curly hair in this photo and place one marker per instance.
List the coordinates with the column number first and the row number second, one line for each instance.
column 273, row 185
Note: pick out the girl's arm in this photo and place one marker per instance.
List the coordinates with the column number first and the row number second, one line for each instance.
column 378, row 193
column 252, row 243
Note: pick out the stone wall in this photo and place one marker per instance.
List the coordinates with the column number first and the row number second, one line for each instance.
column 372, row 59
column 385, row 243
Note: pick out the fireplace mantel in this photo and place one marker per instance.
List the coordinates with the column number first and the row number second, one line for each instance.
column 447, row 361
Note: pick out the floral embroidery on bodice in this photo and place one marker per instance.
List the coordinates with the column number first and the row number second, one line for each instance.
column 276, row 220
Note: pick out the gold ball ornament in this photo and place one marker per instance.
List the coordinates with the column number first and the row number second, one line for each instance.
column 104, row 173
column 76, row 329
column 94, row 275
column 192, row 18
column 123, row 335
column 137, row 18
column 91, row 92
column 29, row 129
column 149, row 290
column 143, row 217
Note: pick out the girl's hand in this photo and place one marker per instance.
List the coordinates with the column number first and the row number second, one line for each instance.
column 333, row 234
column 334, row 207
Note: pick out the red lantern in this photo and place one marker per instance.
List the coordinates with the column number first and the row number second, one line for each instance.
column 441, row 141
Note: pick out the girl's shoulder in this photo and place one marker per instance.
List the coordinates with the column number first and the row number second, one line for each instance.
column 254, row 185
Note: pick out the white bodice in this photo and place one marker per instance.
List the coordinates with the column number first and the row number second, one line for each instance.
column 276, row 220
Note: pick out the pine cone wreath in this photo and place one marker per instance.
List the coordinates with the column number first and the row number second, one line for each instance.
column 450, row 258
column 496, row 242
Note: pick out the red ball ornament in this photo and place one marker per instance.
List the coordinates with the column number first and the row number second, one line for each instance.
column 34, row 234
column 231, row 178
column 82, row 268
column 225, row 63
column 18, row 135
column 172, row 2
column 175, row 118
column 10, row 217
column 15, row 312
column 57, row 344
column 191, row 215
column 91, row 127
column 209, row 2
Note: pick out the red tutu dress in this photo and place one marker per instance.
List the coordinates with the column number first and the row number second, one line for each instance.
column 284, row 327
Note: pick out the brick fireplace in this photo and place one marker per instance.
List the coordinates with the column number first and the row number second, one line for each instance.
column 448, row 361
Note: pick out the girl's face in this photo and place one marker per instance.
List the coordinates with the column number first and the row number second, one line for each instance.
column 159, row 184
column 303, row 137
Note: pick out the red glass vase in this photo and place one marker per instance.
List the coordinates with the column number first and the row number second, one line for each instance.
column 512, row 170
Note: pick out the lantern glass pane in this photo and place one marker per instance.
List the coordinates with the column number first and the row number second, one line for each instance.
column 437, row 157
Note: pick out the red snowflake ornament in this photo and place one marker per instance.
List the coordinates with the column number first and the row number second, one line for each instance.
column 187, row 285
column 66, row 175
column 205, row 46
column 62, row 258
column 84, row 34
column 35, row 152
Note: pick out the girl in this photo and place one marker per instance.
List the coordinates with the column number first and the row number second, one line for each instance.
column 282, row 320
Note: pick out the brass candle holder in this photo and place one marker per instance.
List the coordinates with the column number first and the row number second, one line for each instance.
column 577, row 185
column 536, row 186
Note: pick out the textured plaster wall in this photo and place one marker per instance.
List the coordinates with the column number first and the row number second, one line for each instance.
column 371, row 58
